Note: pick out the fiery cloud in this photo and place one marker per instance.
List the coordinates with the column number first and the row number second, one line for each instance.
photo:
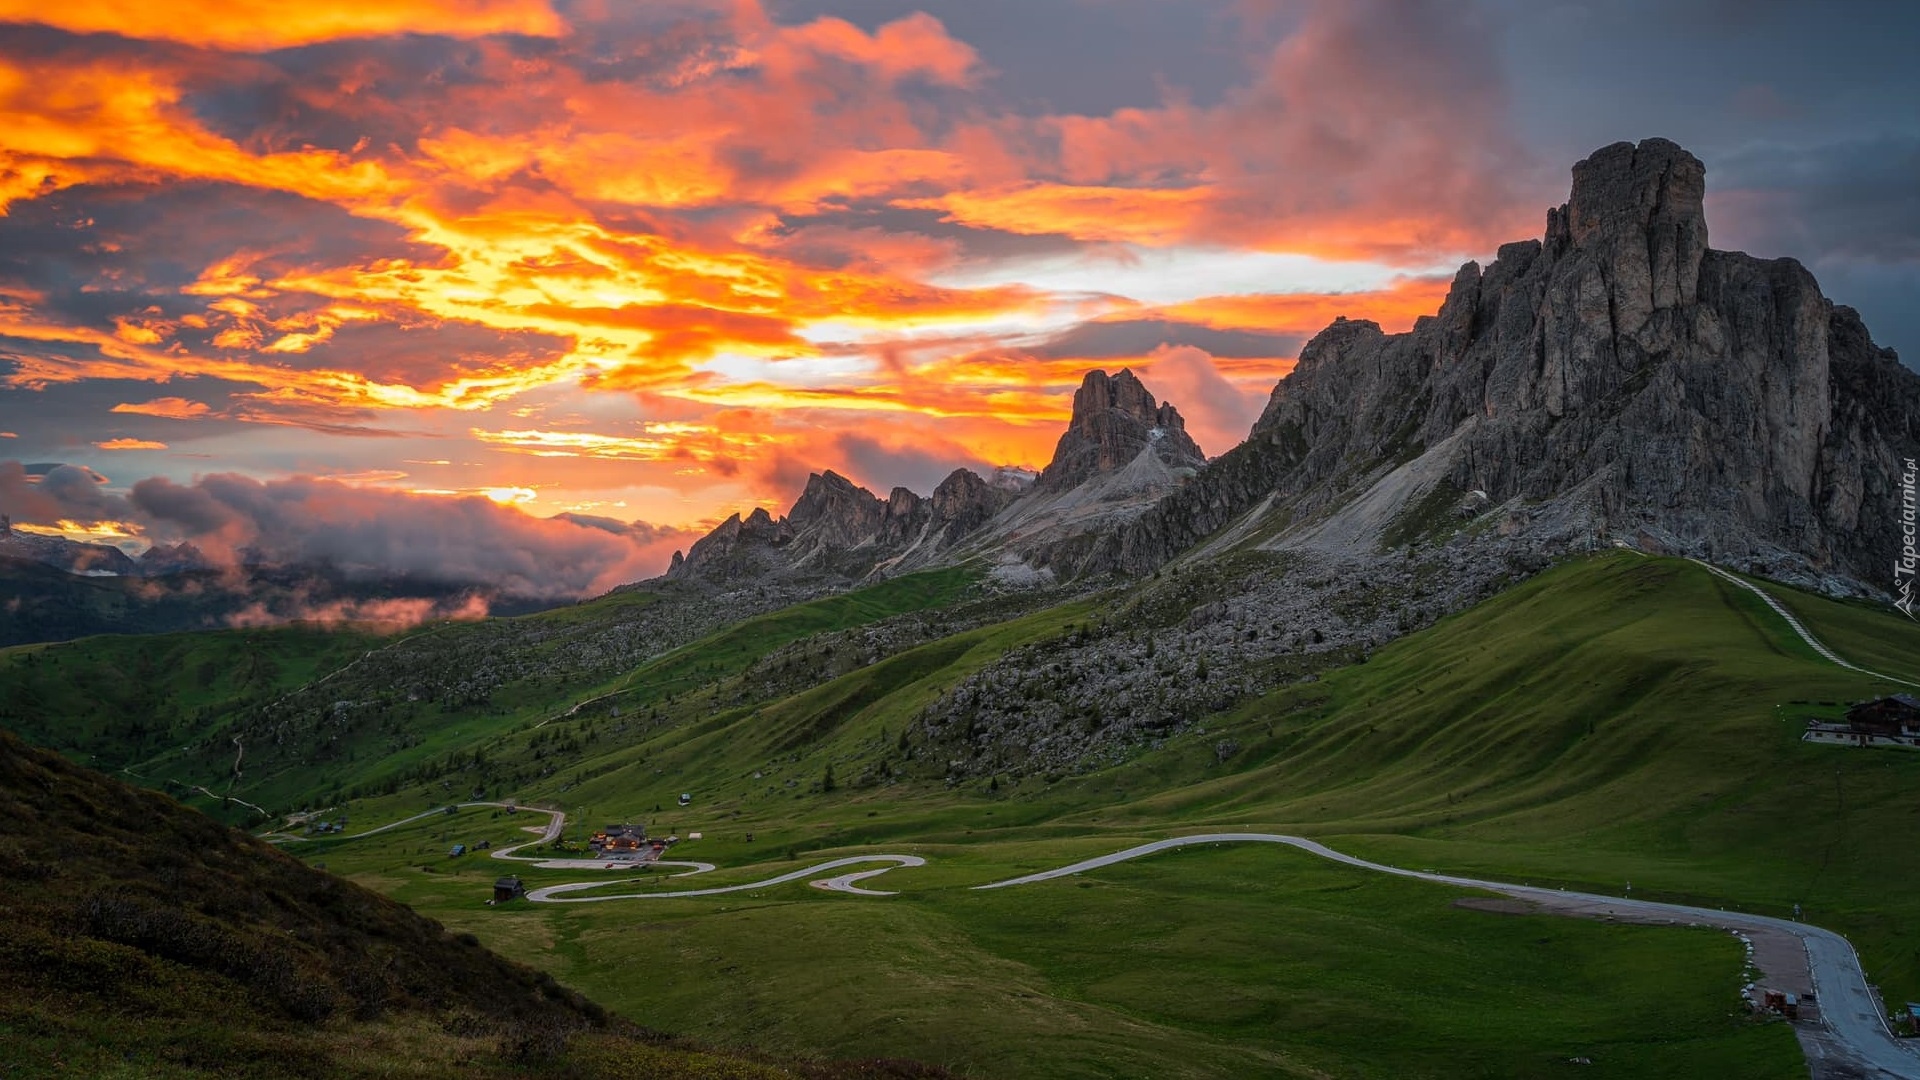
column 255, row 25
column 671, row 254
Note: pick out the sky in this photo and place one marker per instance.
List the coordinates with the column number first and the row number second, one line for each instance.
column 373, row 279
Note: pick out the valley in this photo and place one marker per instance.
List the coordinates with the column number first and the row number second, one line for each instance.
column 1513, row 742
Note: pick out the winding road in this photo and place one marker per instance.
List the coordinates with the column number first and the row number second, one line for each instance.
column 1857, row 1032
column 1848, row 1007
column 556, row 894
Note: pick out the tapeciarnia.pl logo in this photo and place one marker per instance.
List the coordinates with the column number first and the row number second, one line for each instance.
column 1903, row 568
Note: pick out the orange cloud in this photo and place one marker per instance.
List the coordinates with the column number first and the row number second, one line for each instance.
column 260, row 25
column 658, row 442
column 172, row 408
column 1142, row 215
column 757, row 229
column 1394, row 308
column 130, row 444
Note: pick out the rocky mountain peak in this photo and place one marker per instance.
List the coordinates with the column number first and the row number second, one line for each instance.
column 173, row 559
column 1639, row 212
column 1115, row 417
column 1616, row 380
column 836, row 510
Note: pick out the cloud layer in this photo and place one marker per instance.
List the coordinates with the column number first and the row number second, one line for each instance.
column 359, row 531
column 658, row 260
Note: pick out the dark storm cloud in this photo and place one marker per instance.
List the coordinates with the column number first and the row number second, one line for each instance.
column 366, row 95
column 840, row 236
column 1855, row 200
column 72, row 415
column 51, row 493
column 919, row 469
column 103, row 250
column 379, row 531
column 417, row 351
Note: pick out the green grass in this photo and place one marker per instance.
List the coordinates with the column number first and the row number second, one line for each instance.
column 1616, row 719
column 1203, row 962
column 146, row 940
column 727, row 653
column 167, row 708
column 113, row 701
column 1871, row 635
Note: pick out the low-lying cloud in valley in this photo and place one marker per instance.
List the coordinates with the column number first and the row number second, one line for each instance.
column 358, row 531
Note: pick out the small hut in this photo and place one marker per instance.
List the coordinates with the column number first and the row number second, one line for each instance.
column 508, row 888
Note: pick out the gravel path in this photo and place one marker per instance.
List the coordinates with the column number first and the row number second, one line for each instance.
column 1805, row 635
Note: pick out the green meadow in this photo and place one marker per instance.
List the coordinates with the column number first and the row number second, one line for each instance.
column 1616, row 720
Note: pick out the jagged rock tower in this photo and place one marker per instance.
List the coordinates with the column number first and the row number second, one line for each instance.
column 1618, row 378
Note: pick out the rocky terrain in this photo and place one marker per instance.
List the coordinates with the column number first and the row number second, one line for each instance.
column 839, row 532
column 1115, row 421
column 1200, row 636
column 1121, row 450
column 1617, row 382
column 1618, row 379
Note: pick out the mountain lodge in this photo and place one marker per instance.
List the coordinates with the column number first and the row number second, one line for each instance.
column 1887, row 721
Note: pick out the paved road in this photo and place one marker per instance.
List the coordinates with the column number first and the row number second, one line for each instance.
column 1846, row 1005
column 557, row 894
column 1848, row 1008
column 1805, row 635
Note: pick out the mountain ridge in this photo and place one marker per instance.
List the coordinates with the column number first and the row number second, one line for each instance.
column 1121, row 444
column 1616, row 380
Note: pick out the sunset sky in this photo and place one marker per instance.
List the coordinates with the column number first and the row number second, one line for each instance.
column 301, row 266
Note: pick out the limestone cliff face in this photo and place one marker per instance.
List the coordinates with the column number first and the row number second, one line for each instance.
column 1115, row 418
column 1695, row 400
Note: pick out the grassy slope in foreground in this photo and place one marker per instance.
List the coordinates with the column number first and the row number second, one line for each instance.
column 144, row 939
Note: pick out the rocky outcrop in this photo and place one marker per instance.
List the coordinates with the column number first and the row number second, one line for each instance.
column 1114, row 419
column 840, row 531
column 1121, row 451
column 1619, row 378
column 834, row 511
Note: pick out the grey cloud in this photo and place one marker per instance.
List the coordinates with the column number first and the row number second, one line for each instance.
column 920, row 469
column 1126, row 338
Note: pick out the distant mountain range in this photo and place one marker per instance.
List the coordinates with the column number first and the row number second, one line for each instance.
column 98, row 560
column 1120, row 452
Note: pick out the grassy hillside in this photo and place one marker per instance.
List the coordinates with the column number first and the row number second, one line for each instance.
column 113, row 701
column 146, row 940
column 318, row 716
column 1618, row 719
